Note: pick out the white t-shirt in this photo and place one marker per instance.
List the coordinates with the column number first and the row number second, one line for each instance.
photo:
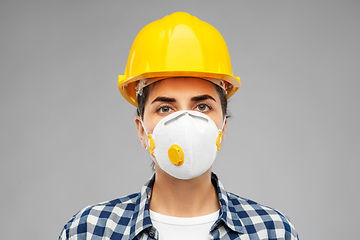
column 179, row 228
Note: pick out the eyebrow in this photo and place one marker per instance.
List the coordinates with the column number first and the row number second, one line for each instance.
column 194, row 99
column 163, row 99
column 202, row 97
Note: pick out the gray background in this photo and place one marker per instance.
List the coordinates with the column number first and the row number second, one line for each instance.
column 68, row 138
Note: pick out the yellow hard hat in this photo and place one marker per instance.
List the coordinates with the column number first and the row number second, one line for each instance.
column 178, row 45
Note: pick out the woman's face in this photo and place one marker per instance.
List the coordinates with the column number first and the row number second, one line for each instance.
column 177, row 94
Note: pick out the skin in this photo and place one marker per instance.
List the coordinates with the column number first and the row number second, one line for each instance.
column 172, row 196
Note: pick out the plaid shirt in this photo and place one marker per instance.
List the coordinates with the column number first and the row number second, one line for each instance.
column 129, row 218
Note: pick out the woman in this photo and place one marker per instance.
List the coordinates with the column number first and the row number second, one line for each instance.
column 179, row 77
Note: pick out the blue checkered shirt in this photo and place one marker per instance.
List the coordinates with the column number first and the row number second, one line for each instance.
column 129, row 218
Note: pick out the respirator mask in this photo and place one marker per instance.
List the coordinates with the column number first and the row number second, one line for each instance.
column 185, row 143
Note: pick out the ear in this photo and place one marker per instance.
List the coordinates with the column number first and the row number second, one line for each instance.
column 141, row 132
column 224, row 130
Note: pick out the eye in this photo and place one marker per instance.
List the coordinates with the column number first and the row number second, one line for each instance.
column 203, row 107
column 164, row 109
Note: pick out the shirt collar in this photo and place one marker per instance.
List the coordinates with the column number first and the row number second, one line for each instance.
column 141, row 218
column 227, row 214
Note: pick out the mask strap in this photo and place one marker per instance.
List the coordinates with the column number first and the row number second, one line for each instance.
column 142, row 124
column 220, row 134
column 150, row 143
column 222, row 127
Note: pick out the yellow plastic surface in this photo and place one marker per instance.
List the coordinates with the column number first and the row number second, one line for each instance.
column 177, row 45
column 218, row 141
column 176, row 155
column 151, row 144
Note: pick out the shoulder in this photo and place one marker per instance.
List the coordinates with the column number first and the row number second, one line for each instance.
column 113, row 217
column 259, row 218
column 109, row 209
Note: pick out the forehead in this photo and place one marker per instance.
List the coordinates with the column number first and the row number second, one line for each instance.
column 183, row 86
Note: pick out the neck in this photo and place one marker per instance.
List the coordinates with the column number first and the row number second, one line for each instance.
column 183, row 198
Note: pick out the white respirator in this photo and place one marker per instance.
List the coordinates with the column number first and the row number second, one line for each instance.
column 185, row 143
